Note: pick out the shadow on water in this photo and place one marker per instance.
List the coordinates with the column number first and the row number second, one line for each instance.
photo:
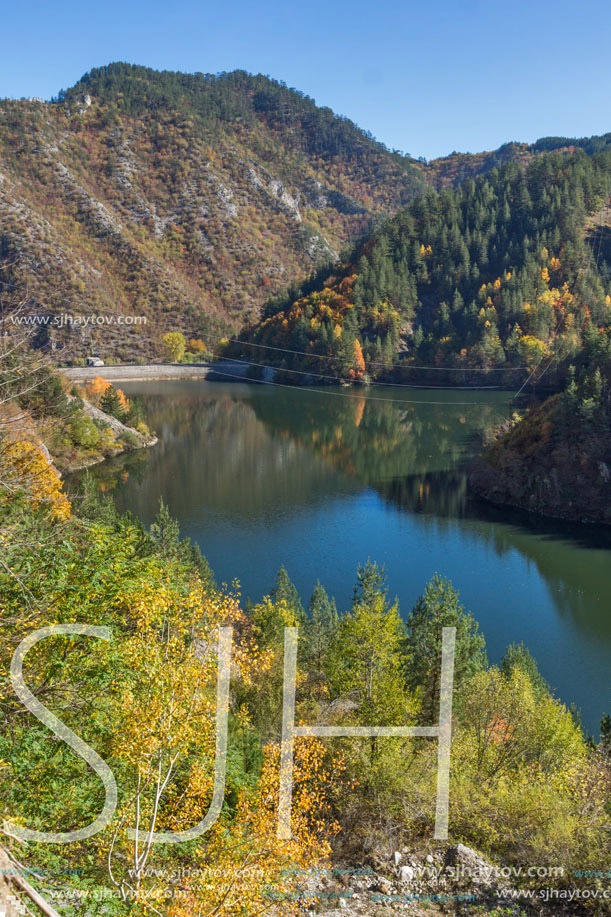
column 321, row 480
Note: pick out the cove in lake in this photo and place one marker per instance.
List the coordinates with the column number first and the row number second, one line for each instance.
column 322, row 480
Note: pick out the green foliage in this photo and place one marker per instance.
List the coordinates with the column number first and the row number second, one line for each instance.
column 110, row 403
column 83, row 431
column 165, row 532
column 496, row 273
column 45, row 397
column 557, row 459
column 285, row 592
column 518, row 656
column 513, row 725
column 438, row 607
column 321, row 630
column 129, row 439
column 365, row 660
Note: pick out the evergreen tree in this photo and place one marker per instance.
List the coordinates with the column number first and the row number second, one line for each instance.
column 366, row 661
column 439, row 607
column 165, row 532
column 285, row 591
column 518, row 656
column 110, row 403
column 321, row 629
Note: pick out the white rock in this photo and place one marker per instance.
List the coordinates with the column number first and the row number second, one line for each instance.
column 398, row 857
column 407, row 874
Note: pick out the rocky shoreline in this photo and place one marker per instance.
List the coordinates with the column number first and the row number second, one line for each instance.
column 530, row 464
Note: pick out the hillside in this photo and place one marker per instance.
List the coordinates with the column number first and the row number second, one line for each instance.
column 47, row 422
column 186, row 199
column 504, row 273
column 160, row 201
column 557, row 459
column 449, row 171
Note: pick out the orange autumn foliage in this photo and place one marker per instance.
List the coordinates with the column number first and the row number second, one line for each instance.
column 96, row 388
column 196, row 345
column 359, row 359
column 123, row 400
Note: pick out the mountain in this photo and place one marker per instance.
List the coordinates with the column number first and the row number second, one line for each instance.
column 186, row 199
column 142, row 202
column 449, row 171
column 506, row 272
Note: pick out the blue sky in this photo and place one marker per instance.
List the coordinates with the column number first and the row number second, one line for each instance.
column 426, row 78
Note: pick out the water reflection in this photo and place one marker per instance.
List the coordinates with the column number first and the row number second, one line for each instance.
column 321, row 481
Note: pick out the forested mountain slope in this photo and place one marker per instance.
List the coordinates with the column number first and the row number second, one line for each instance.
column 506, row 271
column 457, row 167
column 189, row 199
column 184, row 198
column 556, row 460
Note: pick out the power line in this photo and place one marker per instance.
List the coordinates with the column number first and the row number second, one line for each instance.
column 445, row 369
column 324, row 391
column 304, row 372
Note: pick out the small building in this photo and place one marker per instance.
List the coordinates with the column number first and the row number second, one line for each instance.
column 94, row 361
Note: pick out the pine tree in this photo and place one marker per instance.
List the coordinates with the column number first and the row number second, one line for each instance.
column 165, row 532
column 518, row 656
column 285, row 591
column 321, row 629
column 439, row 607
column 366, row 661
column 110, row 403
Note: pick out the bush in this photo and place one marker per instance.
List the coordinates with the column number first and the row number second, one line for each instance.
column 83, row 431
column 142, row 428
column 130, row 440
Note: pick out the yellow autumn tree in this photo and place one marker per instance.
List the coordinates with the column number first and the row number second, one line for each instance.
column 165, row 707
column 26, row 471
column 251, row 870
column 174, row 346
column 532, row 350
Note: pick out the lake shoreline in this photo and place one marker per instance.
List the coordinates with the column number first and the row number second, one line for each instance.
column 479, row 473
column 237, row 371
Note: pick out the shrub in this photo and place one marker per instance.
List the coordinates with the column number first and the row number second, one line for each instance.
column 130, row 440
column 84, row 432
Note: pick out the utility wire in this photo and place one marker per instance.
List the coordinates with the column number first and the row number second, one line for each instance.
column 324, row 391
column 445, row 369
column 305, row 372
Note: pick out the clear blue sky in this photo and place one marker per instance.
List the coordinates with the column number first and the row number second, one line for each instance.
column 425, row 77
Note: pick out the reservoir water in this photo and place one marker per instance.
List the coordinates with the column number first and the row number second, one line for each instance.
column 322, row 480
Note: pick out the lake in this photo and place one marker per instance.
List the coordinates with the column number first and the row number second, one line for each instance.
column 321, row 480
